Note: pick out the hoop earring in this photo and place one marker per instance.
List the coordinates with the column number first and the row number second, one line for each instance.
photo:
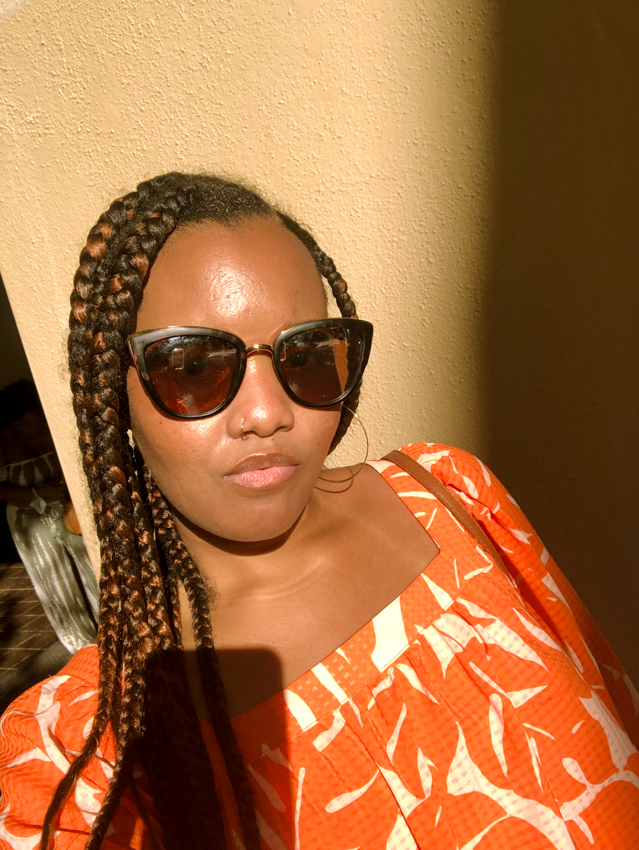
column 243, row 436
column 353, row 474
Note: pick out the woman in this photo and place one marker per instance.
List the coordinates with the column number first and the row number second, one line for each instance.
column 286, row 657
column 32, row 484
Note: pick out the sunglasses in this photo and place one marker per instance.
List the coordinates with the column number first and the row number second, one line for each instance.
column 191, row 373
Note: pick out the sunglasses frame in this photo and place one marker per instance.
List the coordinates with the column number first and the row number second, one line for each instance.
column 138, row 342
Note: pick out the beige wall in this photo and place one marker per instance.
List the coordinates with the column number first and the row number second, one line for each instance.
column 367, row 120
column 455, row 160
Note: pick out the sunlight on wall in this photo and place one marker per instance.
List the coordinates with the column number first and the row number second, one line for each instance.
column 368, row 120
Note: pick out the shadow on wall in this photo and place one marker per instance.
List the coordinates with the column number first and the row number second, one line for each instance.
column 560, row 327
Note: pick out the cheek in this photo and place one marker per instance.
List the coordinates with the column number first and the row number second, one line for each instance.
column 172, row 449
column 316, row 428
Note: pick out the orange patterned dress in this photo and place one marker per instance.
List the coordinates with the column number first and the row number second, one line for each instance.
column 472, row 713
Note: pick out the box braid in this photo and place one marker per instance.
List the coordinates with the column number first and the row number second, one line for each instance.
column 142, row 687
column 326, row 268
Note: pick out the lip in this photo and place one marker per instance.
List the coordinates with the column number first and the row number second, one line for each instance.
column 261, row 471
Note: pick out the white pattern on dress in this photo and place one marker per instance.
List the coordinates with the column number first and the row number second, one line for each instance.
column 465, row 777
column 390, row 635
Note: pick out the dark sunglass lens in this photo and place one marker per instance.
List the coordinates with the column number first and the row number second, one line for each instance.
column 192, row 374
column 321, row 364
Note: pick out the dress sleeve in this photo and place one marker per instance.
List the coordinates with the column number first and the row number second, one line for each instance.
column 542, row 585
column 40, row 734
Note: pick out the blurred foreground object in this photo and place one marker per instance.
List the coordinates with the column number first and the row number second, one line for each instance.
column 46, row 533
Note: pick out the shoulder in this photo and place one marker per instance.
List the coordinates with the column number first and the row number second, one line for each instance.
column 56, row 708
column 450, row 464
column 483, row 495
column 40, row 734
column 457, row 469
column 59, row 705
column 541, row 584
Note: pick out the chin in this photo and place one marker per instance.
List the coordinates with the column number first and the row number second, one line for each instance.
column 257, row 536
column 247, row 524
column 258, row 531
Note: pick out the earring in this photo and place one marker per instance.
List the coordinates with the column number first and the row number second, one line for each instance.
column 242, row 434
column 353, row 474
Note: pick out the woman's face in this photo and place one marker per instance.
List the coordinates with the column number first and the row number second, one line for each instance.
column 253, row 279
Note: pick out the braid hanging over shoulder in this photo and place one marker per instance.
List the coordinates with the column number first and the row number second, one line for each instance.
column 142, row 689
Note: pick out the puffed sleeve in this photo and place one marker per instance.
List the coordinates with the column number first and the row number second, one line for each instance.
column 542, row 585
column 40, row 735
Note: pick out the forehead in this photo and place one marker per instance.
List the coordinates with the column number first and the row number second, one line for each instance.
column 253, row 277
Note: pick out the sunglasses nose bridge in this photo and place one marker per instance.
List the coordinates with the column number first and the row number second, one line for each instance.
column 259, row 348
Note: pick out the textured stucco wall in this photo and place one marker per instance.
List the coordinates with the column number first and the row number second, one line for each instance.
column 368, row 120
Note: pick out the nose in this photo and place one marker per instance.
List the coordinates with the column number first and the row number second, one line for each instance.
column 261, row 406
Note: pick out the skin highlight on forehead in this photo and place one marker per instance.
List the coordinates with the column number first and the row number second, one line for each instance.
column 251, row 273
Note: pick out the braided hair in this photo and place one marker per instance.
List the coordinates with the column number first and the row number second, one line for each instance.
column 142, row 687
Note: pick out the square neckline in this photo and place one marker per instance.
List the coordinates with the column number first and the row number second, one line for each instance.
column 278, row 697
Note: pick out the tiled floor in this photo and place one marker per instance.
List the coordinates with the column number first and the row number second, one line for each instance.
column 29, row 649
column 24, row 628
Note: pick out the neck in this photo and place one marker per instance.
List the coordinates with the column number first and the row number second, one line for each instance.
column 238, row 567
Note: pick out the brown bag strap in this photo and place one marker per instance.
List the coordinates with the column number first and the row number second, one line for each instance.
column 439, row 490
